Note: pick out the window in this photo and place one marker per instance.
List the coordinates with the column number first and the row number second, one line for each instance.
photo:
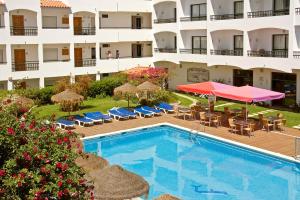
column 238, row 9
column 281, row 5
column 280, row 45
column 49, row 22
column 105, row 45
column 93, row 53
column 1, row 56
column 199, row 44
column 238, row 44
column 104, row 15
column 198, row 11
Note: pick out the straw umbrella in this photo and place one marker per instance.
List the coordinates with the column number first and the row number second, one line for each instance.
column 148, row 87
column 116, row 183
column 68, row 100
column 126, row 90
column 167, row 197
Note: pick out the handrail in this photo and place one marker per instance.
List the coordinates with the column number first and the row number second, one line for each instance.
column 123, row 57
column 193, row 51
column 192, row 18
column 56, row 27
column 297, row 54
column 297, row 11
column 85, row 31
column 162, row 21
column 275, row 53
column 124, row 27
column 26, row 66
column 268, row 13
column 88, row 62
column 21, row 31
column 57, row 60
column 227, row 52
column 226, row 16
column 165, row 50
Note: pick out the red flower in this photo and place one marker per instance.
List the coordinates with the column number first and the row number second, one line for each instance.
column 58, row 165
column 52, row 128
column 22, row 125
column 69, row 181
column 11, row 131
column 59, row 141
column 19, row 184
column 43, row 169
column 66, row 191
column 60, row 194
column 65, row 167
column 66, row 140
column 27, row 156
column 32, row 125
column 59, row 183
column 61, row 176
column 2, row 172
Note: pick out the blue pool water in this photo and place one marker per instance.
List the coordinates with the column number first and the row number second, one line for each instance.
column 193, row 167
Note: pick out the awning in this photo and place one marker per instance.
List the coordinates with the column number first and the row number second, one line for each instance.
column 248, row 94
column 204, row 87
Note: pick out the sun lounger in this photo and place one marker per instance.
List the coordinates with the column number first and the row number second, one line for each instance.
column 82, row 121
column 143, row 113
column 94, row 118
column 126, row 112
column 117, row 115
column 165, row 107
column 153, row 110
column 63, row 123
column 101, row 115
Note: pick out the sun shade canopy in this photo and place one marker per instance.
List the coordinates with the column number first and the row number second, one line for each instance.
column 204, row 87
column 248, row 94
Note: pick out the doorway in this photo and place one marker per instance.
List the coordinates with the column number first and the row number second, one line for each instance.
column 136, row 22
column 77, row 25
column 136, row 50
column 285, row 83
column 238, row 9
column 20, row 59
column 78, row 57
column 242, row 77
column 18, row 25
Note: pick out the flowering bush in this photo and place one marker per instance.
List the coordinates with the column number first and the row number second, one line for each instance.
column 157, row 76
column 37, row 161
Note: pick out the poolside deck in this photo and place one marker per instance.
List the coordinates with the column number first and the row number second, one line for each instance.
column 283, row 143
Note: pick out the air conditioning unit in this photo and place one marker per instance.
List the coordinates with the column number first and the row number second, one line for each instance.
column 105, row 45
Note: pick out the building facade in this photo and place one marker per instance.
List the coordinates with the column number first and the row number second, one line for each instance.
column 236, row 42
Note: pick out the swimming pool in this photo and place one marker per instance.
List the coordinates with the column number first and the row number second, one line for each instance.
column 192, row 166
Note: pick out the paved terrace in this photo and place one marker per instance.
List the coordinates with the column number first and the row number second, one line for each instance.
column 283, row 143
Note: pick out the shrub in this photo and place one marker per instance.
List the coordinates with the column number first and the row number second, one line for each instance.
column 160, row 96
column 82, row 85
column 106, row 85
column 62, row 85
column 37, row 160
column 40, row 96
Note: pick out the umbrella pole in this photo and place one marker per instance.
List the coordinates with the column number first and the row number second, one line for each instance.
column 128, row 101
column 246, row 112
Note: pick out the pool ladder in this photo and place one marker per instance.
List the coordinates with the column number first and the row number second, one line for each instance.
column 193, row 138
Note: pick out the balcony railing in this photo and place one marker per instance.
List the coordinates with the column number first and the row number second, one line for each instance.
column 26, row 66
column 27, row 31
column 162, row 21
column 274, row 53
column 124, row 27
column 227, row 52
column 226, row 16
column 297, row 11
column 268, row 13
column 85, row 31
column 55, row 27
column 85, row 63
column 193, row 51
column 199, row 18
column 63, row 60
column 2, row 62
column 124, row 57
column 165, row 50
column 297, row 54
column 2, row 25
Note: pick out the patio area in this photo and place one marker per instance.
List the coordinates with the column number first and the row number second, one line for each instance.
column 283, row 143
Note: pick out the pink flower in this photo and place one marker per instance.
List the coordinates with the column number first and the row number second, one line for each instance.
column 59, row 184
column 22, row 125
column 32, row 125
column 65, row 167
column 11, row 131
column 66, row 140
column 27, row 156
column 60, row 194
column 2, row 172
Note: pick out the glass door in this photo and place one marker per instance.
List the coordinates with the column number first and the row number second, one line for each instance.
column 238, row 45
column 198, row 12
column 281, row 7
column 199, row 44
column 280, row 45
column 238, row 9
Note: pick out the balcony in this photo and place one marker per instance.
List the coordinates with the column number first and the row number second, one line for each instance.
column 23, row 31
column 297, row 54
column 188, row 19
column 55, row 27
column 274, row 53
column 226, row 52
column 163, row 21
column 85, row 63
column 25, row 66
column 193, row 51
column 268, row 13
column 125, row 27
column 226, row 17
column 56, row 60
column 85, row 31
column 165, row 50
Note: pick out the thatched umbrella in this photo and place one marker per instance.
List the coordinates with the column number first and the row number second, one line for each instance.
column 126, row 90
column 148, row 87
column 91, row 162
column 116, row 183
column 68, row 100
column 167, row 197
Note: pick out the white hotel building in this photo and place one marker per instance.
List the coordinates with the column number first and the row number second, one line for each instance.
column 255, row 42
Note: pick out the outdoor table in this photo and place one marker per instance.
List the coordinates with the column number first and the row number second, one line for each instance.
column 235, row 111
column 273, row 120
column 242, row 124
column 210, row 116
column 185, row 111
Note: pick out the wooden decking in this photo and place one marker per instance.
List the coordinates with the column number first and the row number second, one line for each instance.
column 283, row 143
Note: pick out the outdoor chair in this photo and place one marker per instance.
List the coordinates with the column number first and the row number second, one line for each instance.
column 232, row 126
column 280, row 125
column 249, row 129
column 203, row 119
column 216, row 121
column 260, row 118
column 267, row 125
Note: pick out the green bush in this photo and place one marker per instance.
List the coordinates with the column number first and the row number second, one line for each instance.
column 40, row 96
column 160, row 96
column 106, row 85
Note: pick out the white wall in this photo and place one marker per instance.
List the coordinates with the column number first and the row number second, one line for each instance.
column 30, row 17
column 31, row 51
column 59, row 13
column 185, row 41
column 164, row 10
column 185, row 8
column 165, row 40
column 222, row 7
column 224, row 39
column 2, row 15
column 88, row 19
column 262, row 78
column 59, row 48
column 123, row 19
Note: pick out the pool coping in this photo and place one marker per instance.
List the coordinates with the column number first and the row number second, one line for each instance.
column 239, row 144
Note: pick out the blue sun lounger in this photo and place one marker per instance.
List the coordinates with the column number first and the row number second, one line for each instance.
column 126, row 112
column 153, row 110
column 82, row 121
column 143, row 113
column 165, row 107
column 99, row 115
column 94, row 118
column 63, row 123
column 117, row 115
